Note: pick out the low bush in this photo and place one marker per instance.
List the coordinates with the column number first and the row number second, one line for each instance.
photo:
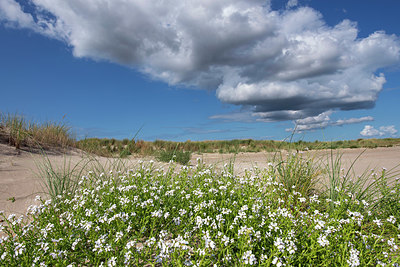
column 176, row 156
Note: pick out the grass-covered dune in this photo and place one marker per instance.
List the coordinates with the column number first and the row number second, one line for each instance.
column 107, row 147
column 17, row 131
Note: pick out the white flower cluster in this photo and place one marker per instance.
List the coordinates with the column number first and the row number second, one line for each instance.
column 194, row 217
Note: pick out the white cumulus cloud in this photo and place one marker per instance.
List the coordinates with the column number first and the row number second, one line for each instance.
column 281, row 65
column 370, row 131
column 388, row 130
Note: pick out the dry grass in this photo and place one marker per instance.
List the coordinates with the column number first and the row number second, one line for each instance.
column 17, row 131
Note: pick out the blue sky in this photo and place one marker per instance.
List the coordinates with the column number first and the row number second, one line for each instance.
column 204, row 71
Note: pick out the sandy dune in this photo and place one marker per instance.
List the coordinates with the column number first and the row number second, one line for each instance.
column 20, row 182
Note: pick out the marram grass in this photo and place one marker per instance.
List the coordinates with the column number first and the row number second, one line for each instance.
column 21, row 132
column 113, row 147
column 197, row 216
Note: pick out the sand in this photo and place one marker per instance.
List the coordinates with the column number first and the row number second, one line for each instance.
column 364, row 159
column 20, row 181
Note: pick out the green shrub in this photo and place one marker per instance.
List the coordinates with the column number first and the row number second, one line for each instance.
column 176, row 156
column 125, row 153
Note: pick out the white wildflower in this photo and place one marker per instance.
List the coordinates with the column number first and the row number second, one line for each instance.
column 177, row 220
column 354, row 260
column 263, row 257
column 182, row 212
column 130, row 244
column 208, row 242
column 227, row 258
column 314, row 198
column 225, row 240
column 319, row 224
column 157, row 213
column 391, row 219
column 279, row 244
column 323, row 241
column 249, row 258
column 393, row 245
column 128, row 256
column 118, row 236
column 273, row 226
column 378, row 222
column 19, row 249
column 107, row 248
column 276, row 261
column 75, row 243
column 112, row 262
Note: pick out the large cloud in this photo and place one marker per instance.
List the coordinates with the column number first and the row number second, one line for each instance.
column 282, row 65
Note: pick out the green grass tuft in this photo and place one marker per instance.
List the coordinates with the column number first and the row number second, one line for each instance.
column 176, row 156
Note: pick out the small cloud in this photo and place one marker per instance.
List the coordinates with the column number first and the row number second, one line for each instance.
column 389, row 130
column 312, row 123
column 353, row 120
column 234, row 116
column 322, row 121
column 292, row 3
column 370, row 131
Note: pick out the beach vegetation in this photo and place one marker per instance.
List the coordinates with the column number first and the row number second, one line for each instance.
column 201, row 216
